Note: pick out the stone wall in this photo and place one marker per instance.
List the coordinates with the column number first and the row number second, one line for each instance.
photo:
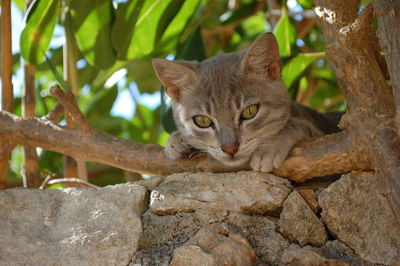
column 245, row 218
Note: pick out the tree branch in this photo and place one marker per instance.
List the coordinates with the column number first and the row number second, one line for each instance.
column 308, row 159
column 67, row 99
column 331, row 154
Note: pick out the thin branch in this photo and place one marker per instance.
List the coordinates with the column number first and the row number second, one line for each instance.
column 278, row 13
column 67, row 99
column 55, row 114
column 46, row 180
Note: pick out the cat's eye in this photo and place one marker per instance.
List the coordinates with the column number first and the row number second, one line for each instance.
column 249, row 112
column 202, row 121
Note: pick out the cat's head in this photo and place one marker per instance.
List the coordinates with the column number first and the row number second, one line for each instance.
column 228, row 104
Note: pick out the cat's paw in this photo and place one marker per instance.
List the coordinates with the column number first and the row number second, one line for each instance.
column 267, row 160
column 176, row 148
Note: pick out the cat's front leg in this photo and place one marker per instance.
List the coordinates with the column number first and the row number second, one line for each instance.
column 176, row 147
column 270, row 156
column 274, row 150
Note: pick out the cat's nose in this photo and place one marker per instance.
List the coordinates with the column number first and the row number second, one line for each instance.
column 231, row 149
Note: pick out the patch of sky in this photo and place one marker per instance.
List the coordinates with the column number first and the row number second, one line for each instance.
column 81, row 64
column 125, row 104
column 293, row 6
column 58, row 38
column 120, row 1
column 85, row 90
column 17, row 23
column 320, row 63
column 300, row 42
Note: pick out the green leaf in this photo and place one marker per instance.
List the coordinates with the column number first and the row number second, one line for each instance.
column 86, row 75
column 144, row 36
column 192, row 48
column 285, row 34
column 365, row 2
column 41, row 18
column 306, row 4
column 20, row 4
column 107, row 123
column 254, row 25
column 124, row 26
column 91, row 22
column 147, row 115
column 141, row 71
column 167, row 16
column 101, row 103
column 293, row 70
column 170, row 36
column 56, row 57
column 64, row 85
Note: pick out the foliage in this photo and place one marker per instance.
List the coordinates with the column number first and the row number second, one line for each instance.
column 115, row 41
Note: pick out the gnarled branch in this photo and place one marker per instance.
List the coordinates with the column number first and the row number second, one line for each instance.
column 308, row 159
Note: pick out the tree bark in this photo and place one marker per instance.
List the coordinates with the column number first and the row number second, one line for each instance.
column 353, row 53
column 319, row 157
column 388, row 14
column 6, row 73
column 31, row 177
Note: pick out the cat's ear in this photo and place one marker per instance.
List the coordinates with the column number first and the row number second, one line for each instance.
column 263, row 57
column 175, row 76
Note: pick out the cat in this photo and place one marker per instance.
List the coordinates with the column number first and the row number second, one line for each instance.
column 236, row 108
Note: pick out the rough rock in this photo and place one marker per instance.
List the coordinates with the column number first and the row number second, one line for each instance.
column 71, row 226
column 245, row 192
column 299, row 223
column 307, row 256
column 162, row 234
column 215, row 245
column 352, row 211
column 261, row 232
column 339, row 251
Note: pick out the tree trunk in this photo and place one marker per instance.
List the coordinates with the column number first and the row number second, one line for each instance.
column 31, row 177
column 7, row 99
column 354, row 55
column 388, row 14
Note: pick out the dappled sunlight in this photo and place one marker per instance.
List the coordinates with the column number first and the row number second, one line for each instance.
column 325, row 14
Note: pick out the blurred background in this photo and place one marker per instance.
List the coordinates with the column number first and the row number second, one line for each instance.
column 107, row 47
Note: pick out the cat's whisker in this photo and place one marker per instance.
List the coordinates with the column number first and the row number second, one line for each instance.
column 196, row 153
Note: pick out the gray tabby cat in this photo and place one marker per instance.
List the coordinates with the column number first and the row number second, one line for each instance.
column 236, row 108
